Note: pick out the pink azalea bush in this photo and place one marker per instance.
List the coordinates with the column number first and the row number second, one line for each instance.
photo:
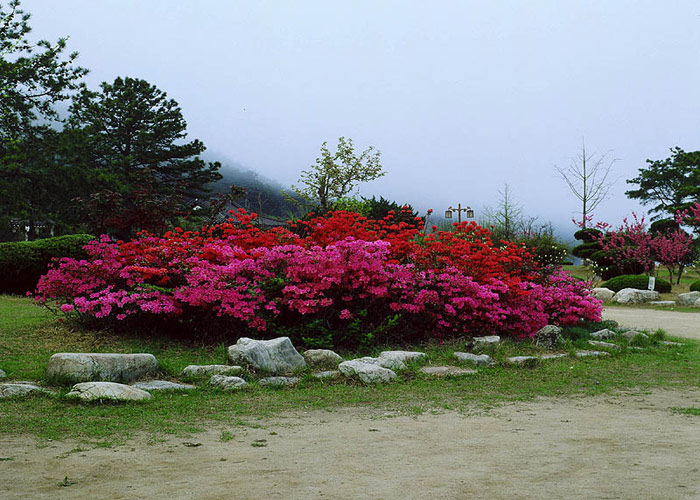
column 345, row 292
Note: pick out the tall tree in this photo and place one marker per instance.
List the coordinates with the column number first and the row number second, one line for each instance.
column 137, row 145
column 588, row 178
column 336, row 174
column 671, row 185
column 33, row 76
column 506, row 220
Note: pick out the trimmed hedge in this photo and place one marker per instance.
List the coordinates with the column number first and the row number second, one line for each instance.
column 588, row 235
column 585, row 250
column 640, row 282
column 695, row 286
column 23, row 262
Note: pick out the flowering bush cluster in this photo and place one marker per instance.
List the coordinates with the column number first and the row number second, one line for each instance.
column 338, row 279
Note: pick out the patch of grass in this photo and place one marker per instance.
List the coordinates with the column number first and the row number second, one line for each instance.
column 687, row 411
column 226, row 436
column 29, row 335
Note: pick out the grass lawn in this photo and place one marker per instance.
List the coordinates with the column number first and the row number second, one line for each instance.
column 29, row 335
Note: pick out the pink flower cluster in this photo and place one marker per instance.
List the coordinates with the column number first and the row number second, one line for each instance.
column 289, row 283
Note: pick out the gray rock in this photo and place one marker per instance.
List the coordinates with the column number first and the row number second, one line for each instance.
column 523, row 360
column 396, row 360
column 603, row 334
column 368, row 373
column 553, row 356
column 487, row 340
column 227, row 383
column 3, row 374
column 276, row 356
column 279, row 381
column 83, row 367
column 98, row 391
column 662, row 303
column 446, row 371
column 634, row 296
column 322, row 358
column 599, row 343
column 688, row 299
column 668, row 342
column 633, row 334
column 584, row 354
column 12, row 389
column 548, row 337
column 209, row 370
column 604, row 294
column 477, row 359
column 161, row 385
column 329, row 374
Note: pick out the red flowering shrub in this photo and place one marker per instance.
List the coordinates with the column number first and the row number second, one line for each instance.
column 339, row 279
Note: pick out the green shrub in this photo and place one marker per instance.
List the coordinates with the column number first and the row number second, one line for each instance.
column 695, row 286
column 23, row 262
column 640, row 282
column 585, row 250
column 587, row 235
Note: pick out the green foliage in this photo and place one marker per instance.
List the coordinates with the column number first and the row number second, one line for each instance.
column 361, row 206
column 136, row 140
column 640, row 282
column 33, row 76
column 663, row 226
column 695, row 286
column 547, row 250
column 672, row 184
column 588, row 235
column 335, row 175
column 22, row 263
column 586, row 250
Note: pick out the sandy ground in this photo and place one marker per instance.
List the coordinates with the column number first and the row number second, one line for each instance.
column 625, row 446
column 680, row 324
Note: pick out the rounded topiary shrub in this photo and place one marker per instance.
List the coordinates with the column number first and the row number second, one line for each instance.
column 638, row 281
column 695, row 286
column 588, row 234
column 585, row 250
column 23, row 262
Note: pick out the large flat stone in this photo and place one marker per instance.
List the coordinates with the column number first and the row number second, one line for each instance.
column 279, row 381
column 368, row 373
column 277, row 356
column 209, row 370
column 227, row 383
column 604, row 294
column 446, row 371
column 161, row 385
column 322, row 358
column 99, row 391
column 396, row 360
column 634, row 296
column 687, row 299
column 477, row 359
column 110, row 367
column 14, row 389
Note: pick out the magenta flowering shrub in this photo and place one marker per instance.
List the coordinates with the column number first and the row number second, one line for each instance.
column 347, row 292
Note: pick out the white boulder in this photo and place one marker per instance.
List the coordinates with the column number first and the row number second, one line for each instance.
column 634, row 296
column 276, row 356
column 209, row 370
column 604, row 294
column 227, row 383
column 12, row 389
column 161, row 385
column 477, row 359
column 369, row 373
column 322, row 358
column 110, row 367
column 99, row 391
column 688, row 299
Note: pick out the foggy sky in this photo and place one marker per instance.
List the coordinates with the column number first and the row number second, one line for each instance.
column 460, row 96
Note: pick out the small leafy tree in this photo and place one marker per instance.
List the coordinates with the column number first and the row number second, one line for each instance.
column 335, row 175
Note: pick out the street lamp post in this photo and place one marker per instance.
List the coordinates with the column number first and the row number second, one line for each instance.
column 459, row 210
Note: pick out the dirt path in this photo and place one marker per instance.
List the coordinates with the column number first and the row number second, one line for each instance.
column 627, row 446
column 680, row 324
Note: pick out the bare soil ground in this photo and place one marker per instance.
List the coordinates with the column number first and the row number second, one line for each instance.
column 623, row 446
column 680, row 324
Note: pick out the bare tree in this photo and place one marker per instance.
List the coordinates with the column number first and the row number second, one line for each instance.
column 588, row 177
column 506, row 220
